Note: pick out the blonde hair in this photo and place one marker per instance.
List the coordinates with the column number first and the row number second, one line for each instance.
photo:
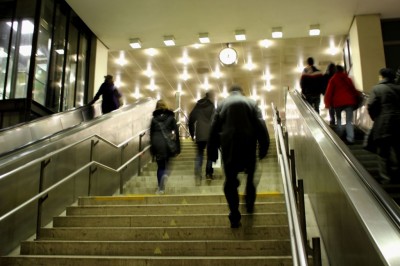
column 161, row 105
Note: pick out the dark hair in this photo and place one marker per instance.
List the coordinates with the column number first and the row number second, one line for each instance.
column 236, row 88
column 339, row 68
column 387, row 73
column 310, row 61
column 210, row 94
column 331, row 69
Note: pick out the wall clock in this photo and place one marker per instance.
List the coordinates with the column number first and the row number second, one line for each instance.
column 228, row 56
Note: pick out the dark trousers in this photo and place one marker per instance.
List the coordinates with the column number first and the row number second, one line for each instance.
column 201, row 146
column 231, row 191
column 314, row 101
column 389, row 158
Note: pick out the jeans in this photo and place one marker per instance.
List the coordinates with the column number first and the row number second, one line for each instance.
column 349, row 122
column 162, row 173
column 201, row 145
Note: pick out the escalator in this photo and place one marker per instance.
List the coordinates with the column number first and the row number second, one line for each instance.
column 370, row 162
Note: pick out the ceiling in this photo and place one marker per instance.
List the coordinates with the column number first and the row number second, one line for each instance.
column 116, row 22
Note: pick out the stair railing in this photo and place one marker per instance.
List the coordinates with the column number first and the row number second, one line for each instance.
column 299, row 254
column 91, row 166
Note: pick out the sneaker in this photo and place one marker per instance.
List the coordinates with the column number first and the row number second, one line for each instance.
column 160, row 192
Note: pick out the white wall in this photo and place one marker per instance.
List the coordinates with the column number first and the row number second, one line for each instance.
column 367, row 52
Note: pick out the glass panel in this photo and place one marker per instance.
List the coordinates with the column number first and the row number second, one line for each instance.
column 80, row 84
column 56, row 68
column 43, row 53
column 70, row 71
column 4, row 43
column 25, row 32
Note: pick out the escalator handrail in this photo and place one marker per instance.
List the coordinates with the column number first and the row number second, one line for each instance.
column 377, row 191
column 297, row 244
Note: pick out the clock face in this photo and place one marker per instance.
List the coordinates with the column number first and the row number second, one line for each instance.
column 228, row 56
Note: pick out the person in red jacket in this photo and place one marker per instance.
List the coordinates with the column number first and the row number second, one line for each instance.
column 342, row 95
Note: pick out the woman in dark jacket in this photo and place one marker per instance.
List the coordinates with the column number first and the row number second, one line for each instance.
column 384, row 109
column 164, row 139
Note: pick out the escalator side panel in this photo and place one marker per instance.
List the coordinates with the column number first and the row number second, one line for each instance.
column 354, row 227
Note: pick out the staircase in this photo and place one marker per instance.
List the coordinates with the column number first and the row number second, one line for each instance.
column 186, row 226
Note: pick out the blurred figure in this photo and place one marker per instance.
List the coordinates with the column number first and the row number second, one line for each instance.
column 109, row 94
column 342, row 96
column 311, row 84
column 164, row 133
column 330, row 71
column 397, row 79
column 384, row 109
column 237, row 128
column 199, row 127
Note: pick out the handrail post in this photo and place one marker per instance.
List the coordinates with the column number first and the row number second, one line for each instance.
column 316, row 248
column 93, row 143
column 293, row 171
column 302, row 209
column 140, row 150
column 43, row 165
column 121, row 175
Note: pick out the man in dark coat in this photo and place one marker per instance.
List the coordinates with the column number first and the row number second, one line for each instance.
column 110, row 95
column 237, row 127
column 384, row 109
column 199, row 127
column 311, row 84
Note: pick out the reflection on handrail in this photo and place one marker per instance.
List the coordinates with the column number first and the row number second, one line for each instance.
column 381, row 196
column 38, row 160
column 297, row 244
column 59, row 183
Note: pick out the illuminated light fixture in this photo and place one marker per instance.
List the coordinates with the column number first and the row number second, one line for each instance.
column 240, row 35
column 249, row 65
column 169, row 40
column 60, row 51
column 135, row 43
column 314, row 30
column 265, row 43
column 2, row 53
column 25, row 50
column 185, row 76
column 27, row 26
column 203, row 37
column 151, row 51
column 277, row 32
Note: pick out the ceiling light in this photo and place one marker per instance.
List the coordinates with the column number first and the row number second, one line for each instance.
column 203, row 37
column 135, row 43
column 314, row 30
column 151, row 51
column 277, row 32
column 169, row 40
column 240, row 35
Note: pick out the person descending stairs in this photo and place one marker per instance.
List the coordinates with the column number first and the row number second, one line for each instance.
column 187, row 226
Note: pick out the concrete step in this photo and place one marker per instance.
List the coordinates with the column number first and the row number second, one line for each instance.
column 278, row 218
column 161, row 248
column 162, row 234
column 147, row 261
column 170, row 199
column 155, row 209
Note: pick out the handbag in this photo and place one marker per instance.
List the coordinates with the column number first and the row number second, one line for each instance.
column 170, row 139
column 359, row 100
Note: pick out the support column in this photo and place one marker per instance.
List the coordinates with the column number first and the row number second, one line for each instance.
column 367, row 52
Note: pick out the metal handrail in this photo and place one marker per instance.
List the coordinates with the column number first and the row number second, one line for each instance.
column 70, row 146
column 387, row 203
column 297, row 244
column 59, row 183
